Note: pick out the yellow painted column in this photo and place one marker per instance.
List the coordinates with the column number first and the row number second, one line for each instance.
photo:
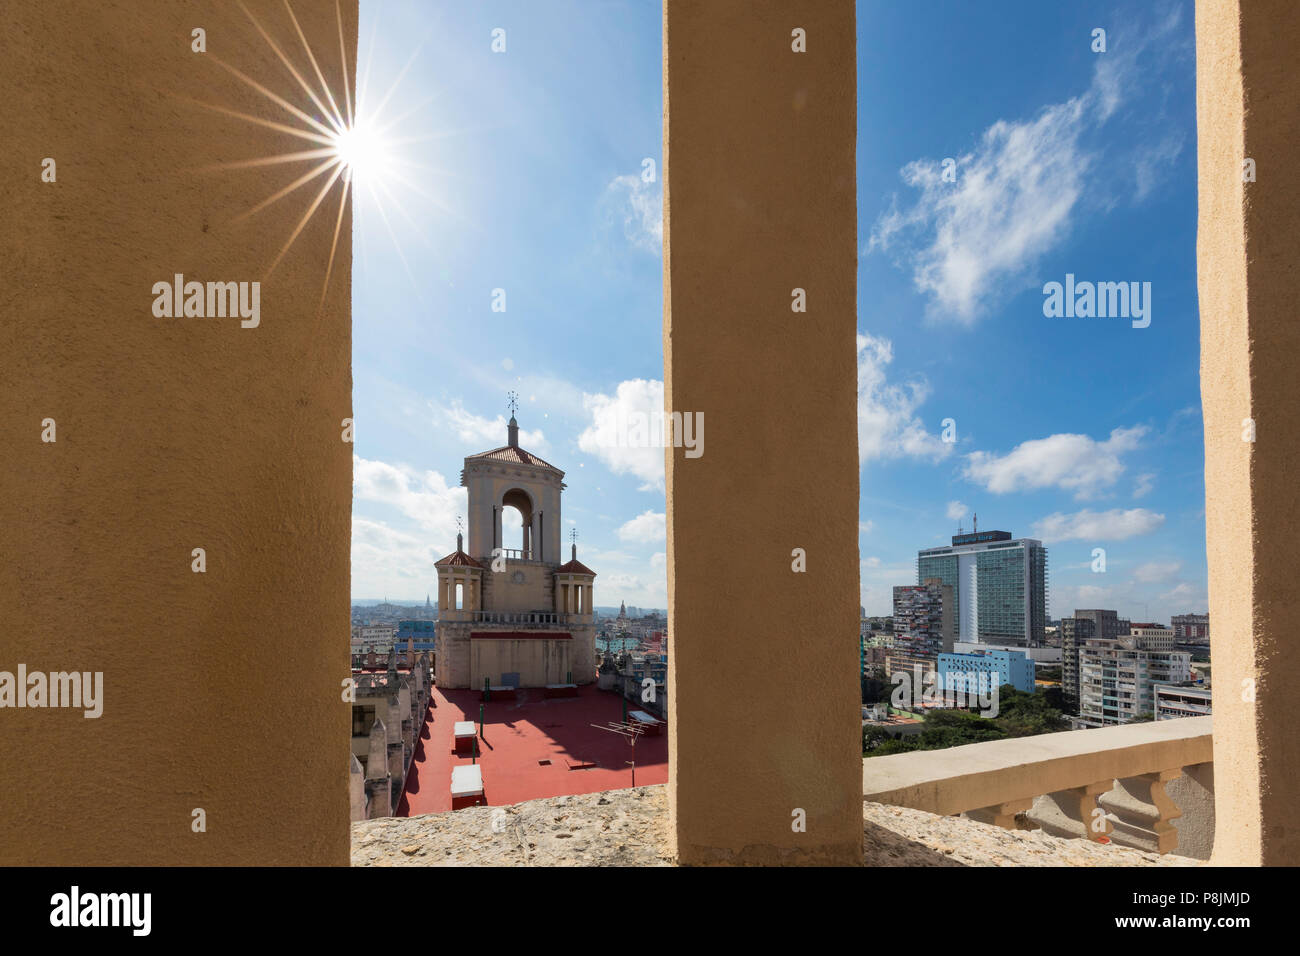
column 1248, row 124
column 760, row 268
column 173, row 434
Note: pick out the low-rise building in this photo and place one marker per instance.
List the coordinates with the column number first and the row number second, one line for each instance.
column 1188, row 699
column 388, row 712
column 422, row 635
column 1191, row 628
column 994, row 668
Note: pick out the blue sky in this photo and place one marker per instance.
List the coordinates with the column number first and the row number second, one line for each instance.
column 523, row 171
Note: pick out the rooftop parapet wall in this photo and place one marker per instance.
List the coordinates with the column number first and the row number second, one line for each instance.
column 629, row 828
column 1121, row 770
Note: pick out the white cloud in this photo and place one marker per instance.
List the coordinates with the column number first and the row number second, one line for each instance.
column 637, row 589
column 1154, row 571
column 642, row 206
column 1145, row 483
column 1019, row 191
column 1114, row 525
column 1066, row 598
column 1187, row 596
column 648, row 527
column 607, row 439
column 1011, row 203
column 956, row 510
column 877, row 580
column 1072, row 462
column 864, row 527
column 488, row 432
column 392, row 563
column 1152, row 161
column 423, row 497
column 888, row 426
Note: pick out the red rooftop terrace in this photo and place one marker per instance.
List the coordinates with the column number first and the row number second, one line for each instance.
column 532, row 746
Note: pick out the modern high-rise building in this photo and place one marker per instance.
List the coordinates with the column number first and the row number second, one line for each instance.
column 924, row 622
column 999, row 586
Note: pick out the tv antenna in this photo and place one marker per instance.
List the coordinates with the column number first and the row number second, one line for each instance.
column 629, row 730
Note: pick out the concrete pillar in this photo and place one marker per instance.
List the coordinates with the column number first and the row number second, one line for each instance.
column 356, row 789
column 377, row 770
column 171, row 434
column 1248, row 108
column 760, row 200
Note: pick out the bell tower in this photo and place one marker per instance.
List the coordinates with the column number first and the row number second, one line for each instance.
column 523, row 619
column 514, row 509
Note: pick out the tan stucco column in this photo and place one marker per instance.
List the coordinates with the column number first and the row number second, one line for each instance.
column 765, row 740
column 1248, row 108
column 171, row 434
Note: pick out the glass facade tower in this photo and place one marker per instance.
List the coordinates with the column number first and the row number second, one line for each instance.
column 999, row 586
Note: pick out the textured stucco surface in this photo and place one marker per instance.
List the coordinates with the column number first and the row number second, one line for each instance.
column 628, row 828
column 223, row 689
column 1248, row 105
column 760, row 200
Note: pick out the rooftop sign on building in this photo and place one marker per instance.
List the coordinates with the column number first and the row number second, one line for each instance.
column 979, row 537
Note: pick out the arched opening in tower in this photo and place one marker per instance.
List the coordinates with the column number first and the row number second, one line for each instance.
column 517, row 520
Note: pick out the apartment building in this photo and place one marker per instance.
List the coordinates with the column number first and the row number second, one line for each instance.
column 1117, row 678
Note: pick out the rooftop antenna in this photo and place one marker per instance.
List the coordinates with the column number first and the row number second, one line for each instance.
column 975, row 526
column 628, row 729
column 512, row 427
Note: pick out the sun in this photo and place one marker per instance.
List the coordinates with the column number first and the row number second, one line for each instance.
column 342, row 138
column 360, row 150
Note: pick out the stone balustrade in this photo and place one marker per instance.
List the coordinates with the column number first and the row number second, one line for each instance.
column 518, row 618
column 1149, row 786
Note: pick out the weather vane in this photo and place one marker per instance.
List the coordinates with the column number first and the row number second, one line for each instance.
column 459, row 524
column 512, row 402
column 573, row 535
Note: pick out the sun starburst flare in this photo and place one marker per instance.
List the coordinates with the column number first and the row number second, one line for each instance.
column 345, row 143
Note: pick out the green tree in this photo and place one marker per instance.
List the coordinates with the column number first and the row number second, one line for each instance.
column 1020, row 714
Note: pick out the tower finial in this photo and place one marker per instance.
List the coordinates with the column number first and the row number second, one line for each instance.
column 573, row 536
column 512, row 430
column 460, row 540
